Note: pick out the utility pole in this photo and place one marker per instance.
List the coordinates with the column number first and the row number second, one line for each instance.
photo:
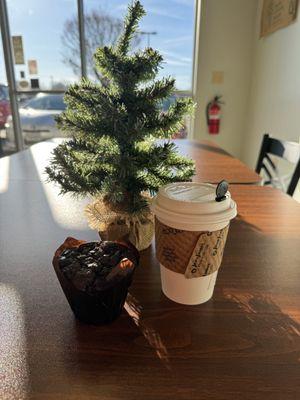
column 148, row 34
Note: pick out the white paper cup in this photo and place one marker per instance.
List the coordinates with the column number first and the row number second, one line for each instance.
column 190, row 207
column 187, row 291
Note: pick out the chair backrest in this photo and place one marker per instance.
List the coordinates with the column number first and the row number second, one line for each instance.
column 289, row 151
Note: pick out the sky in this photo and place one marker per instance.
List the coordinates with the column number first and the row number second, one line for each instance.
column 40, row 22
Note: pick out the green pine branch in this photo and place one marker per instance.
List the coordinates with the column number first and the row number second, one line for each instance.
column 82, row 119
column 158, row 90
column 169, row 122
column 135, row 13
column 144, row 65
column 127, row 71
column 89, row 94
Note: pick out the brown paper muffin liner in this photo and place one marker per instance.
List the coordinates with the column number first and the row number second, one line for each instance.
column 190, row 253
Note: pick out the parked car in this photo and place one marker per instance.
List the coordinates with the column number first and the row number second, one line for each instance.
column 37, row 118
column 4, row 105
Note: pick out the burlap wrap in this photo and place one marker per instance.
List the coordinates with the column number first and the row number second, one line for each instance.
column 192, row 254
column 116, row 225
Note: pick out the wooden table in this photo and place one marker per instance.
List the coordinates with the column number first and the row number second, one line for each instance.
column 212, row 163
column 242, row 344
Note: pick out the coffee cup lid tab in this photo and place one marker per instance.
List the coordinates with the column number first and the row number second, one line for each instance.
column 221, row 190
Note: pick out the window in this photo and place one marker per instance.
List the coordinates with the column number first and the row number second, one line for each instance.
column 4, row 92
column 48, row 38
column 168, row 27
column 40, row 25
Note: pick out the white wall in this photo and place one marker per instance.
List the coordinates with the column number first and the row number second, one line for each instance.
column 274, row 104
column 226, row 39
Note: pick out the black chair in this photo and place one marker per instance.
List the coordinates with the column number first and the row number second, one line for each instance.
column 289, row 151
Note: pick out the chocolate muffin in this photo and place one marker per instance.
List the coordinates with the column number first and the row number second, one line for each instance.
column 95, row 277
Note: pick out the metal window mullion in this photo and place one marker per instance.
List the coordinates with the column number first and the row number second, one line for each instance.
column 10, row 74
column 82, row 38
column 45, row 91
column 188, row 93
column 195, row 60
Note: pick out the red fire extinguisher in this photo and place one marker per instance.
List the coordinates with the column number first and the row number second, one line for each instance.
column 213, row 115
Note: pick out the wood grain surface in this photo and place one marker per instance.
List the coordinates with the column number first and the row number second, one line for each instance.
column 214, row 164
column 242, row 344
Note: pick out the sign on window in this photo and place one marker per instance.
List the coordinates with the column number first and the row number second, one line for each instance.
column 32, row 67
column 17, row 42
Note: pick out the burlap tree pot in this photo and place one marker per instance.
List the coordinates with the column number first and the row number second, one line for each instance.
column 113, row 224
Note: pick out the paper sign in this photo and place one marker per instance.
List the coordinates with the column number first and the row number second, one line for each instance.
column 32, row 67
column 17, row 42
column 277, row 14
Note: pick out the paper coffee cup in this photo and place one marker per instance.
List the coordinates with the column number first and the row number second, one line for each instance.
column 190, row 234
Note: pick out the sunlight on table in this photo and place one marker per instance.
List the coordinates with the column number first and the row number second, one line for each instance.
column 4, row 174
column 66, row 210
column 14, row 368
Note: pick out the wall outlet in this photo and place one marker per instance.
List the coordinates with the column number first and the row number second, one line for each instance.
column 217, row 77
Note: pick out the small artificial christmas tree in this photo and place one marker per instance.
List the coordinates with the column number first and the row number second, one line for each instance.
column 113, row 153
